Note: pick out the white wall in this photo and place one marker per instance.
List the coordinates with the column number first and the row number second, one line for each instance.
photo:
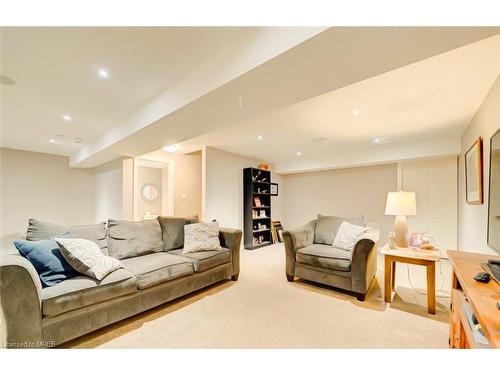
column 435, row 184
column 223, row 187
column 187, row 180
column 473, row 219
column 343, row 192
column 149, row 175
column 108, row 185
column 43, row 186
column 35, row 185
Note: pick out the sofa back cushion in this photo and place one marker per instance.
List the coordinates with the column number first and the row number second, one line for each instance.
column 42, row 230
column 129, row 239
column 328, row 226
column 173, row 231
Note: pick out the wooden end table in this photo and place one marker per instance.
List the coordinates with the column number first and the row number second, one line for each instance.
column 427, row 258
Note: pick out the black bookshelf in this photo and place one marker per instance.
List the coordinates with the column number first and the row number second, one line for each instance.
column 257, row 218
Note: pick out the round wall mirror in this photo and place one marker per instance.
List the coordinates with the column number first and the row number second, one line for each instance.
column 150, row 192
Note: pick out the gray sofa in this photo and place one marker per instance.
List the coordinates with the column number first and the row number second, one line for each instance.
column 155, row 272
column 311, row 256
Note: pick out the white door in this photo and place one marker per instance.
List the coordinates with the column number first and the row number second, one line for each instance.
column 435, row 185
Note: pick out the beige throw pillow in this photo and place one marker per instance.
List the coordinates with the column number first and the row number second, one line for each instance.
column 86, row 257
column 348, row 235
column 201, row 237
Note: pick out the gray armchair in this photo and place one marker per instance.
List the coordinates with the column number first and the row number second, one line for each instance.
column 311, row 256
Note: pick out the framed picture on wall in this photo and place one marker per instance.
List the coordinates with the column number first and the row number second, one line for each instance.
column 474, row 173
column 274, row 189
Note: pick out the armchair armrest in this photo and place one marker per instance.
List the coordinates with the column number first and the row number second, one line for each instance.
column 231, row 239
column 363, row 265
column 20, row 301
column 295, row 240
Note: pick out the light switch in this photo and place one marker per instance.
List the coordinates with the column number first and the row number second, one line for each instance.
column 184, row 195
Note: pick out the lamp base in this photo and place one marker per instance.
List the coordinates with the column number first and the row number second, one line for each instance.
column 401, row 231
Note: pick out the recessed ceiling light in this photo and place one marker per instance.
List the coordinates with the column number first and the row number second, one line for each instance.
column 259, row 138
column 52, row 140
column 171, row 148
column 66, row 117
column 103, row 73
column 299, row 153
column 356, row 112
column 381, row 141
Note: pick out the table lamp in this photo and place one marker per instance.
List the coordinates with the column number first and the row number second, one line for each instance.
column 401, row 204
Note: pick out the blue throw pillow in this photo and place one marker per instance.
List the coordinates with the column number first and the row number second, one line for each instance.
column 47, row 260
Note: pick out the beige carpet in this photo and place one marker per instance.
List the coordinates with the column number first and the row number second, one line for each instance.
column 263, row 310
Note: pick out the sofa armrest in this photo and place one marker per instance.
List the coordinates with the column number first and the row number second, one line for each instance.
column 231, row 239
column 363, row 265
column 20, row 301
column 295, row 240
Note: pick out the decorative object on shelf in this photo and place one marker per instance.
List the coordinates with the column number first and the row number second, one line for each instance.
column 392, row 240
column 415, row 240
column 474, row 173
column 427, row 241
column 263, row 166
column 256, row 201
column 257, row 208
column 150, row 192
column 401, row 204
column 277, row 231
column 494, row 195
column 274, row 189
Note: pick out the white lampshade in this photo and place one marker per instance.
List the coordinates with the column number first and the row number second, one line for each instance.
column 401, row 203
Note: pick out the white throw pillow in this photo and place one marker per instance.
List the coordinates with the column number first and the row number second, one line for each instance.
column 348, row 235
column 86, row 257
column 201, row 237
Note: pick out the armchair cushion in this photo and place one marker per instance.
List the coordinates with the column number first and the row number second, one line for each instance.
column 328, row 226
column 325, row 256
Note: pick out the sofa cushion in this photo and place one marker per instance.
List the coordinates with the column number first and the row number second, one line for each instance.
column 129, row 239
column 173, row 231
column 152, row 269
column 42, row 230
column 81, row 291
column 205, row 260
column 328, row 226
column 325, row 256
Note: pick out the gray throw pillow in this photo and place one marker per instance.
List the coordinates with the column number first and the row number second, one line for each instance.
column 172, row 229
column 201, row 237
column 129, row 239
column 328, row 226
column 86, row 257
column 41, row 230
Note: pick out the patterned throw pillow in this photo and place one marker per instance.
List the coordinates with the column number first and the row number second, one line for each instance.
column 201, row 237
column 86, row 257
column 348, row 235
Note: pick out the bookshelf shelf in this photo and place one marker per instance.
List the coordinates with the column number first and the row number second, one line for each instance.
column 256, row 203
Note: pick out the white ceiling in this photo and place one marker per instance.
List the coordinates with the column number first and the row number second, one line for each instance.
column 55, row 70
column 422, row 109
column 171, row 85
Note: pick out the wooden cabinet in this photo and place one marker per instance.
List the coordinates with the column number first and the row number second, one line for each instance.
column 471, row 297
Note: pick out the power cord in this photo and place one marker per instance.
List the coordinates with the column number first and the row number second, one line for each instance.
column 423, row 293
